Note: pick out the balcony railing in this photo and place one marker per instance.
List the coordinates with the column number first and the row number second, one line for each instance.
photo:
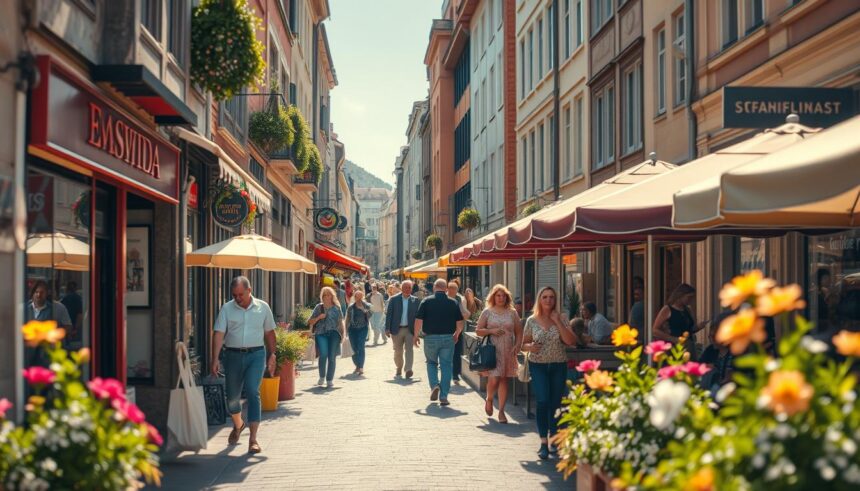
column 306, row 179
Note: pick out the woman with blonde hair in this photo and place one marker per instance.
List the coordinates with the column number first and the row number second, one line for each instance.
column 500, row 321
column 327, row 324
column 473, row 303
column 545, row 336
column 357, row 321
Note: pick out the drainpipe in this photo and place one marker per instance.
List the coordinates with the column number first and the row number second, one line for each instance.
column 183, row 233
column 556, row 127
column 691, row 78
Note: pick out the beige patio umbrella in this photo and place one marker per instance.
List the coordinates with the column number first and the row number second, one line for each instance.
column 57, row 251
column 250, row 251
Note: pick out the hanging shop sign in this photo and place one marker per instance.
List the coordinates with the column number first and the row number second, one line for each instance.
column 341, row 222
column 326, row 219
column 232, row 205
column 767, row 107
column 74, row 121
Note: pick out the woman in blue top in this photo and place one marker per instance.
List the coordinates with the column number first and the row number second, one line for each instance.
column 327, row 324
column 357, row 321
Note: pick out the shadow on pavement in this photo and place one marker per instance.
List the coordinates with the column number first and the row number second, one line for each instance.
column 547, row 468
column 441, row 412
column 403, row 381
column 513, row 428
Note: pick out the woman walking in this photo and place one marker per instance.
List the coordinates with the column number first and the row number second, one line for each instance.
column 327, row 324
column 501, row 322
column 377, row 310
column 473, row 303
column 544, row 337
column 358, row 321
column 676, row 318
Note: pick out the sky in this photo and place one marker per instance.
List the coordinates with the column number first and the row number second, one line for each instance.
column 378, row 52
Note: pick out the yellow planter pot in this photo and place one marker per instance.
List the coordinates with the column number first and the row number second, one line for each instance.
column 269, row 393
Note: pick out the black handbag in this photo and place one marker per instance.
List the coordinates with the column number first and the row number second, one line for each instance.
column 483, row 356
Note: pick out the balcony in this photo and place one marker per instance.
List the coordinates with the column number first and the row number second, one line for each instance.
column 282, row 160
column 305, row 182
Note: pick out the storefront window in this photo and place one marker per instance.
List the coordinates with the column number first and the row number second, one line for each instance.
column 574, row 267
column 609, row 283
column 834, row 277
column 751, row 255
column 58, row 255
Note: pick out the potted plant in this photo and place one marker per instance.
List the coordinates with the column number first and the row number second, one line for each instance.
column 532, row 208
column 290, row 347
column 271, row 129
column 433, row 241
column 226, row 56
column 468, row 218
column 301, row 324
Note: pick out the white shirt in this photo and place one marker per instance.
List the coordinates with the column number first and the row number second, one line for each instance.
column 404, row 317
column 377, row 303
column 245, row 328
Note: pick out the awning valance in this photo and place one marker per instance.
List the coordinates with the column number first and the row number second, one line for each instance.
column 336, row 259
column 228, row 169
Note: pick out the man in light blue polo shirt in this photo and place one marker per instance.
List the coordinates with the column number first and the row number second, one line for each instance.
column 242, row 326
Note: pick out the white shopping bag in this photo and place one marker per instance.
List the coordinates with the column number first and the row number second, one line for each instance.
column 345, row 347
column 186, row 418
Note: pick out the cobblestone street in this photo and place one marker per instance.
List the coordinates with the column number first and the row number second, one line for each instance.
column 373, row 432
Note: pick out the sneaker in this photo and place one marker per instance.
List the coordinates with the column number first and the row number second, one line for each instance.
column 444, row 402
column 543, row 453
column 434, row 394
column 321, row 381
column 329, row 384
column 553, row 450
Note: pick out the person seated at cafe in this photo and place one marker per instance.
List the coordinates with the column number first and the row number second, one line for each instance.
column 579, row 328
column 599, row 329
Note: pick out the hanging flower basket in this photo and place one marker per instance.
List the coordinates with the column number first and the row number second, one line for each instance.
column 226, row 56
column 433, row 241
column 302, row 142
column 469, row 218
column 530, row 209
column 227, row 189
column 271, row 129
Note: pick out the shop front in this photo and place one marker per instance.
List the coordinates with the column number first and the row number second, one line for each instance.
column 102, row 189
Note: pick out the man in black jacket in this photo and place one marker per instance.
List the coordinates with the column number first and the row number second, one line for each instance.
column 399, row 322
column 441, row 319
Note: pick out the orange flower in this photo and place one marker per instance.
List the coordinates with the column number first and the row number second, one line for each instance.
column 84, row 355
column 702, row 480
column 787, row 392
column 734, row 294
column 847, row 343
column 780, row 300
column 625, row 335
column 599, row 380
column 738, row 331
column 37, row 332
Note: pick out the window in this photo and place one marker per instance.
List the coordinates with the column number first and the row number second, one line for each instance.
column 578, row 23
column 462, row 141
column 533, row 165
column 150, row 17
column 550, row 40
column 274, row 59
column 542, row 161
column 604, row 123
column 754, row 14
column 461, row 75
column 523, row 166
column 177, row 44
column 729, row 22
column 680, row 47
column 568, row 156
column 492, row 106
column 499, row 73
column 550, row 167
column 834, row 300
column 661, row 71
column 523, row 69
column 633, row 109
column 540, row 66
column 531, row 60
column 485, row 107
column 257, row 171
column 577, row 161
column 501, row 10
column 601, row 12
column 234, row 117
column 566, row 29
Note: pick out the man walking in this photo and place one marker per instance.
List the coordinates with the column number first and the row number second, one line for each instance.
column 399, row 322
column 377, row 311
column 242, row 326
column 454, row 294
column 442, row 321
column 340, row 289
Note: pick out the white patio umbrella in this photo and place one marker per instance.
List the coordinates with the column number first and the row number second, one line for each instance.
column 57, row 251
column 250, row 251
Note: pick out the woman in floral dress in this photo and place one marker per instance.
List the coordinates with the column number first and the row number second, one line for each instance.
column 500, row 321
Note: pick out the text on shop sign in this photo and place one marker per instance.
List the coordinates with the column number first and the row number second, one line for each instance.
column 122, row 141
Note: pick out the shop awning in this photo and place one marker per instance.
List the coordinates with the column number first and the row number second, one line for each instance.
column 445, row 262
column 647, row 206
column 813, row 183
column 146, row 90
column 333, row 258
column 250, row 251
column 424, row 269
column 229, row 170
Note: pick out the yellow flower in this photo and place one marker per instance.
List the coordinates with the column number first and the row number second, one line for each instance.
column 780, row 300
column 37, row 332
column 738, row 331
column 734, row 294
column 702, row 480
column 599, row 380
column 847, row 343
column 625, row 335
column 84, row 355
column 34, row 402
column 787, row 392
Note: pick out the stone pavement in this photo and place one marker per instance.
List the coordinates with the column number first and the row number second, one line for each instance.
column 373, row 432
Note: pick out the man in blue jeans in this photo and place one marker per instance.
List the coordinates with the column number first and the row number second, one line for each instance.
column 245, row 327
column 441, row 319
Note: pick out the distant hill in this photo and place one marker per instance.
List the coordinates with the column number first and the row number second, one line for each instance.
column 362, row 178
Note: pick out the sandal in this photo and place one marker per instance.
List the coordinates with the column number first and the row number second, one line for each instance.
column 234, row 435
column 488, row 408
column 254, row 447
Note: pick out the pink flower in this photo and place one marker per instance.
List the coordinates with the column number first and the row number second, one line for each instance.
column 39, row 375
column 5, row 405
column 129, row 411
column 669, row 371
column 154, row 435
column 107, row 388
column 658, row 346
column 587, row 366
column 695, row 369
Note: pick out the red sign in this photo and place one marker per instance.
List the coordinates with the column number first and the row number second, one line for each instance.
column 73, row 120
column 192, row 196
column 40, row 204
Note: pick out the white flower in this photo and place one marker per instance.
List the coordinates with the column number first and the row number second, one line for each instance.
column 758, row 461
column 49, row 465
column 828, row 473
column 666, row 400
column 782, row 431
column 813, row 345
column 849, row 447
column 771, row 365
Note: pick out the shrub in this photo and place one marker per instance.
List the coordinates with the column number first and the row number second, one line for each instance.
column 271, row 129
column 289, row 346
column 302, row 142
column 302, row 319
column 530, row 209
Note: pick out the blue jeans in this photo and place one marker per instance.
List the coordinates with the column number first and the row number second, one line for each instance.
column 328, row 345
column 439, row 351
column 357, row 338
column 548, row 383
column 244, row 370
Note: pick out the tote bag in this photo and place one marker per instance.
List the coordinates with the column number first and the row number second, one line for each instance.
column 345, row 346
column 186, row 417
column 483, row 356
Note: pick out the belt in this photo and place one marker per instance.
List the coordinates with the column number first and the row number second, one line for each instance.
column 245, row 350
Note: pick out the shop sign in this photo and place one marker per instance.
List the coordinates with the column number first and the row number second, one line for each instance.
column 193, row 196
column 40, row 204
column 326, row 219
column 767, row 107
column 341, row 222
column 231, row 210
column 74, row 121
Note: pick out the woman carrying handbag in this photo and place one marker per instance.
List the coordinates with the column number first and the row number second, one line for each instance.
column 357, row 323
column 500, row 321
column 327, row 324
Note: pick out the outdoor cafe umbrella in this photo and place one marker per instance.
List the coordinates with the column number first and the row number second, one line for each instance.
column 57, row 251
column 250, row 251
